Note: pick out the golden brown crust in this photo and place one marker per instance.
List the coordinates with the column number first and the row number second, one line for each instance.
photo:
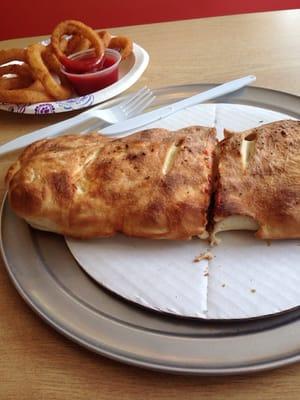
column 265, row 184
column 91, row 186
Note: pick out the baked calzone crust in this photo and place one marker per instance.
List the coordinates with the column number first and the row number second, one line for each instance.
column 258, row 181
column 153, row 184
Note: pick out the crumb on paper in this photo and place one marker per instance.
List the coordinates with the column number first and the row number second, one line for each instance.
column 253, row 290
column 206, row 273
column 223, row 284
column 268, row 242
column 203, row 256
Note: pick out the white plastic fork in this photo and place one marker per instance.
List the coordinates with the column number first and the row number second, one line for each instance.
column 87, row 121
column 131, row 106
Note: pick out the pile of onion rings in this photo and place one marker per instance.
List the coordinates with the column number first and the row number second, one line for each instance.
column 33, row 75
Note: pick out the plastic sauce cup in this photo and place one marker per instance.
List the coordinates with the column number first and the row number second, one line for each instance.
column 103, row 75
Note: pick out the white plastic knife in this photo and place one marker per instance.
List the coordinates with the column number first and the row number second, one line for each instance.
column 130, row 124
column 155, row 115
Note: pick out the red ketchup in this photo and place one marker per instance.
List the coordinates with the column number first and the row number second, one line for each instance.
column 88, row 73
column 82, row 63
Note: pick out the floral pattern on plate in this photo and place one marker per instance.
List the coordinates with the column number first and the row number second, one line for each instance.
column 77, row 102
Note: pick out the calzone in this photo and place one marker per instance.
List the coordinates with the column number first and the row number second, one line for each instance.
column 153, row 184
column 258, row 181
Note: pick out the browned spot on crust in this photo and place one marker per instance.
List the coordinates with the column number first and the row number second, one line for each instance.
column 62, row 186
column 25, row 200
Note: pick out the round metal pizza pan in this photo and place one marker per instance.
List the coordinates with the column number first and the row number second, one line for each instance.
column 52, row 283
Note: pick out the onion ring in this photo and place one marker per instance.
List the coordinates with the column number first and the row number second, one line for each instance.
column 63, row 43
column 41, row 72
column 37, row 86
column 8, row 55
column 39, row 77
column 15, row 82
column 122, row 44
column 23, row 96
column 79, row 43
column 106, row 37
column 21, row 78
column 21, row 70
column 72, row 27
column 51, row 60
column 54, row 65
column 76, row 44
column 16, row 89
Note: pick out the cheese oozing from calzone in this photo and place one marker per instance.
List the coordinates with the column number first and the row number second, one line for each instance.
column 154, row 184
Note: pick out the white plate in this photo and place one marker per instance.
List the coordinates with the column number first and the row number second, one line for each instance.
column 130, row 71
column 246, row 278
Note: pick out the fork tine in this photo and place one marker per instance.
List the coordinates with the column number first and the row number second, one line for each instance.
column 133, row 97
column 127, row 108
column 141, row 105
column 132, row 106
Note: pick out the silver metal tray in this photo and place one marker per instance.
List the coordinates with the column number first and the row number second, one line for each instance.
column 51, row 282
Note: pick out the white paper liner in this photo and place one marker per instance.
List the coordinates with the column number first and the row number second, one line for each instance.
column 246, row 278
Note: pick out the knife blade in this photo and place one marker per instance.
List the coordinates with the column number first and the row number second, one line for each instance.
column 155, row 115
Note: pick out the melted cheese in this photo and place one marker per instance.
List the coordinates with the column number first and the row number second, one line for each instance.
column 234, row 223
column 247, row 150
column 170, row 157
column 204, row 235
